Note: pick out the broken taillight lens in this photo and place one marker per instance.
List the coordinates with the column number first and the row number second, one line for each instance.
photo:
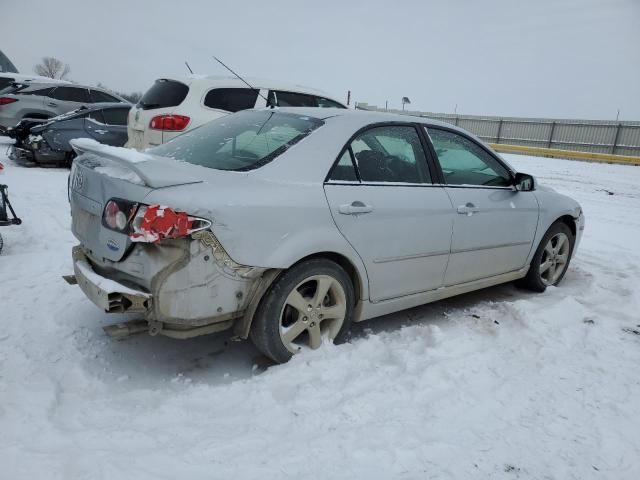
column 117, row 215
column 154, row 223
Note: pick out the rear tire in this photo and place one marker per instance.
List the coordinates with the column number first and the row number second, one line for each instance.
column 307, row 305
column 551, row 260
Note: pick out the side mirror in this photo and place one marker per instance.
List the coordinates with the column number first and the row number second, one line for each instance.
column 524, row 182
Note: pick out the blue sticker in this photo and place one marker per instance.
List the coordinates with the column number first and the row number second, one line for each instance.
column 112, row 245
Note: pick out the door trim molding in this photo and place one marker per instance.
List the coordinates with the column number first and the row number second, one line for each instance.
column 503, row 245
column 411, row 257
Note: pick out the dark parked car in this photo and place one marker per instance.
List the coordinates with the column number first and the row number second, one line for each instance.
column 47, row 141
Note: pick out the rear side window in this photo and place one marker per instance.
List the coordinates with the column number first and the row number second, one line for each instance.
column 164, row 93
column 291, row 99
column 71, row 94
column 391, row 153
column 231, row 99
column 98, row 97
column 326, row 103
column 240, row 142
column 25, row 89
column 116, row 116
column 5, row 82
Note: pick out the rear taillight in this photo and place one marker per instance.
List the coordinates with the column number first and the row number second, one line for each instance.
column 118, row 214
column 7, row 100
column 155, row 222
column 174, row 123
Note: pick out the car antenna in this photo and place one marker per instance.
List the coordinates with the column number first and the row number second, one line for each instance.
column 269, row 104
column 187, row 64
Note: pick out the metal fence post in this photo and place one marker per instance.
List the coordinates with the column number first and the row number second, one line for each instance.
column 553, row 128
column 616, row 138
column 499, row 131
column 456, row 124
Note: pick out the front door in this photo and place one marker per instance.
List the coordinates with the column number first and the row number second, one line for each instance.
column 494, row 224
column 384, row 203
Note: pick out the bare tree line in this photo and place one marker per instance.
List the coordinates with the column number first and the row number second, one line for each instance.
column 53, row 67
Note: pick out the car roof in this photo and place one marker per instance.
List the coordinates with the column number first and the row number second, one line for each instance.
column 103, row 105
column 256, row 82
column 364, row 117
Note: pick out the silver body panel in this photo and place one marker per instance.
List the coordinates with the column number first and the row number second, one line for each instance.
column 412, row 247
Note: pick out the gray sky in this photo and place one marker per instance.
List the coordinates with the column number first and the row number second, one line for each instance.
column 557, row 58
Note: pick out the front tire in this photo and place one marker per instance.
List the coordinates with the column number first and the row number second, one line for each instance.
column 551, row 260
column 309, row 304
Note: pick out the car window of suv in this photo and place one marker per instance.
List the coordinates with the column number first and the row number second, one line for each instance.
column 326, row 103
column 390, row 154
column 464, row 162
column 291, row 99
column 71, row 94
column 231, row 99
column 115, row 116
column 98, row 97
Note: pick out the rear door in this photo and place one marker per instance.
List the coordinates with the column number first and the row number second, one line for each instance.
column 494, row 224
column 383, row 201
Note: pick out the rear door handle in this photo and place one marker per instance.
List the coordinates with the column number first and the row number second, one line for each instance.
column 355, row 208
column 468, row 209
column 52, row 104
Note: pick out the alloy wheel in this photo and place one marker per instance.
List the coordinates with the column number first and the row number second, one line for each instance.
column 314, row 310
column 555, row 258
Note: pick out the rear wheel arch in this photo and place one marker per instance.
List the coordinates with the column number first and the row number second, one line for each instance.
column 243, row 325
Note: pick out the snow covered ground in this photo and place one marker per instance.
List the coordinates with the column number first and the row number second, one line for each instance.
column 500, row 383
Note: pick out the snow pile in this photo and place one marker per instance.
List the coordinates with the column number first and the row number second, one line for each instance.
column 127, row 154
column 119, row 172
column 500, row 383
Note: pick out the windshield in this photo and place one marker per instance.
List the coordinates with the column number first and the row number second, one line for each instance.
column 241, row 141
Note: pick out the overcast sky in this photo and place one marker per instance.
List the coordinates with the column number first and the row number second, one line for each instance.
column 556, row 58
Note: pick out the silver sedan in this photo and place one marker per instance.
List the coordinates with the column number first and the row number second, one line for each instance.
column 288, row 225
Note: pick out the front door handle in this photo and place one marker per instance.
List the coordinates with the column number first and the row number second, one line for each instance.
column 355, row 208
column 468, row 209
column 52, row 104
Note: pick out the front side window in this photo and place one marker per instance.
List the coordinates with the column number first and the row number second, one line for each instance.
column 390, row 154
column 231, row 99
column 71, row 94
column 464, row 162
column 239, row 142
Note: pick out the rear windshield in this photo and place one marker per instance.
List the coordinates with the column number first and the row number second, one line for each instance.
column 242, row 141
column 164, row 93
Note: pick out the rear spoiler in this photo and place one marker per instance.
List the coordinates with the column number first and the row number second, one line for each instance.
column 160, row 174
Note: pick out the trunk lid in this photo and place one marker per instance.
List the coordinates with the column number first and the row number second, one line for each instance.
column 101, row 173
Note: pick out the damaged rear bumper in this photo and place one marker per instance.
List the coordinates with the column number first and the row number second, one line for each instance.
column 183, row 287
column 109, row 295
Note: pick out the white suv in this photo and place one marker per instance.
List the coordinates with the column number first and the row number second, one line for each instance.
column 173, row 106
